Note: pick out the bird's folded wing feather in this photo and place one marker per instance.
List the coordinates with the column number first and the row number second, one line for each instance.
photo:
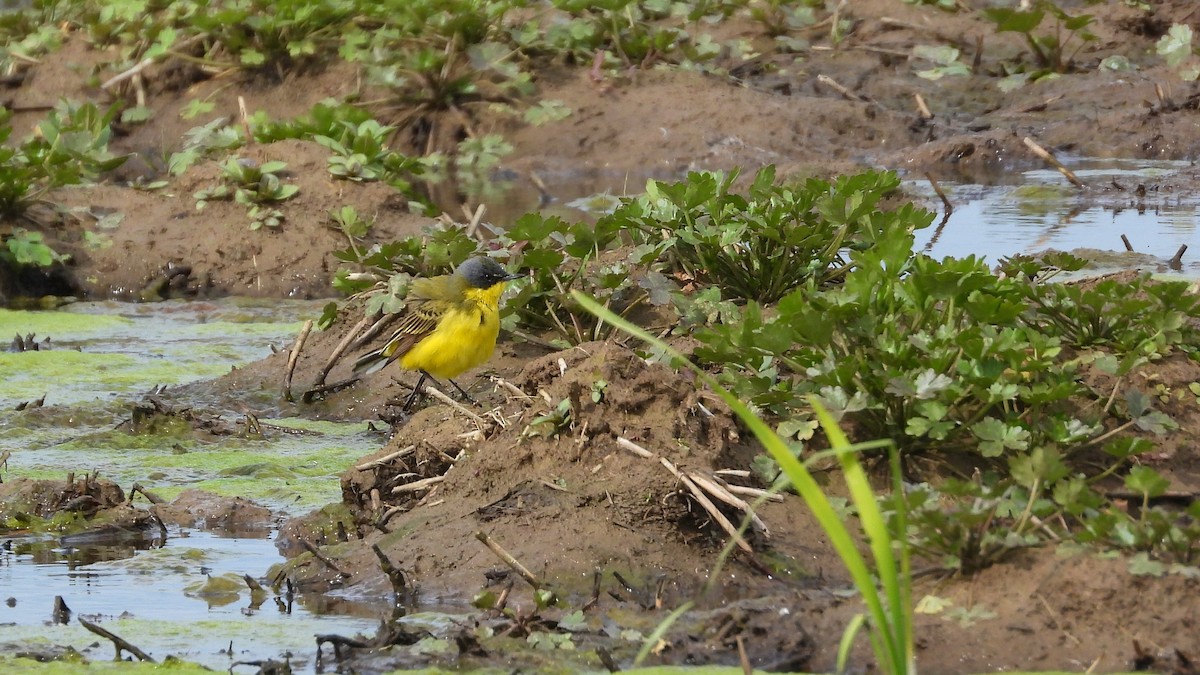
column 428, row 301
column 420, row 318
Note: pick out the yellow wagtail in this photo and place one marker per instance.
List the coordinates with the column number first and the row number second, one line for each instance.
column 448, row 326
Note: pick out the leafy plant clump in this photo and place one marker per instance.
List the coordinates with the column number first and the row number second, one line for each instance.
column 22, row 247
column 70, row 148
column 700, row 230
column 776, row 237
column 954, row 362
column 254, row 185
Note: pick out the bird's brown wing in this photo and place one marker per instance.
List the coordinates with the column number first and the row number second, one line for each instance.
column 419, row 318
column 427, row 302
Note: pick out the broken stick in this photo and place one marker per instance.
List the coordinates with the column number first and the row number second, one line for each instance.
column 120, row 643
column 697, row 493
column 1053, row 161
column 509, row 560
column 294, row 358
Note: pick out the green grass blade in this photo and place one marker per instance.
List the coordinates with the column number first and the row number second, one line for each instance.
column 659, row 631
column 847, row 641
column 874, row 524
column 903, row 616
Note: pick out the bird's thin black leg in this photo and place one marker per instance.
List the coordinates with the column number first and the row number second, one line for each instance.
column 465, row 395
column 412, row 398
column 420, row 388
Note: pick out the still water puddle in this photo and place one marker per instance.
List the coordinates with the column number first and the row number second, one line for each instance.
column 125, row 348
column 1041, row 211
column 102, row 358
column 152, row 598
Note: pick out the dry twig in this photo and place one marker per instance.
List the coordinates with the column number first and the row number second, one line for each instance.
column 833, row 84
column 509, row 560
column 1053, row 161
column 922, row 108
column 340, row 348
column 418, row 485
column 326, row 560
column 434, row 392
column 940, row 193
column 120, row 643
column 386, row 458
column 697, row 493
column 294, row 358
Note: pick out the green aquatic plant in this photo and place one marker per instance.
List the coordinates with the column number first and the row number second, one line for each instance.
column 1139, row 316
column 1176, row 48
column 22, row 247
column 217, row 136
column 360, row 154
column 631, row 29
column 28, row 33
column 327, row 118
column 944, row 59
column 253, row 35
column 435, row 60
column 253, row 185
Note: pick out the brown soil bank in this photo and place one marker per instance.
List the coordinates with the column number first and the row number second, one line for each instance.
column 837, row 107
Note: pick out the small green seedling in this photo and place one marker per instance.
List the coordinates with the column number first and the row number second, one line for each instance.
column 1051, row 50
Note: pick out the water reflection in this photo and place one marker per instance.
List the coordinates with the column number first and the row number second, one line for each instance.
column 1042, row 212
column 141, row 592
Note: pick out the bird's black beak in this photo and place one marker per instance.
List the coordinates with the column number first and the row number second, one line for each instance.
column 515, row 275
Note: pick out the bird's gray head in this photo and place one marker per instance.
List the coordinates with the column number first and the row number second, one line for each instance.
column 484, row 272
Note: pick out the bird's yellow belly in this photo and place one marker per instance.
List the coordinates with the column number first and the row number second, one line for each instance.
column 462, row 340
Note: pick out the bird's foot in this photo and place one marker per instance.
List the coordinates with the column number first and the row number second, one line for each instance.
column 420, row 389
column 466, row 397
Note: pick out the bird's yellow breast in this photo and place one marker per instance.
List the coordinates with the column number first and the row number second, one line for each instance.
column 465, row 336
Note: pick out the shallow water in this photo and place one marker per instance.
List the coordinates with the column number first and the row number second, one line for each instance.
column 126, row 348
column 1040, row 210
column 142, row 596
column 139, row 589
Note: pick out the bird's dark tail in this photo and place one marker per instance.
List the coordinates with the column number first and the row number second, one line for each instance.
column 371, row 362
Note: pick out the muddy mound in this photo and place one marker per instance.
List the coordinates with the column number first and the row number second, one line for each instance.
column 544, row 474
column 547, row 476
column 23, row 500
